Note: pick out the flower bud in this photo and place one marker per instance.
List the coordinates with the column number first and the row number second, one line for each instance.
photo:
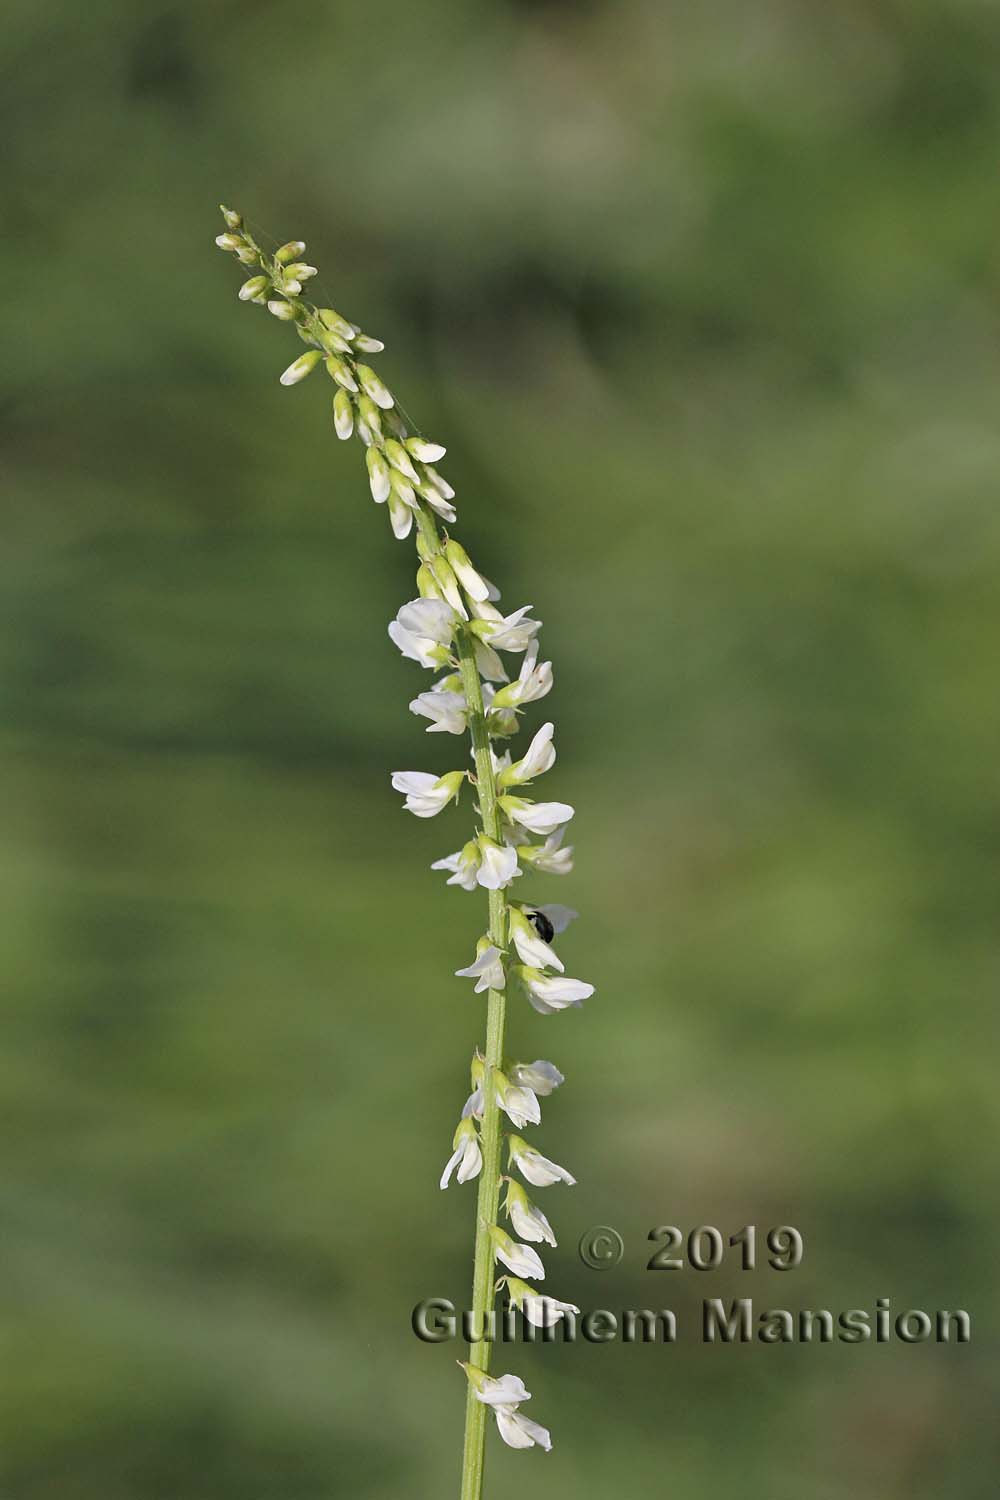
column 339, row 372
column 301, row 367
column 373, row 387
column 370, row 415
column 247, row 255
column 400, row 459
column 336, row 323
column 299, row 271
column 378, row 475
column 367, row 344
column 232, row 218
column 343, row 415
column 230, row 242
column 427, row 586
column 281, row 309
column 428, row 453
column 289, row 252
column 253, row 289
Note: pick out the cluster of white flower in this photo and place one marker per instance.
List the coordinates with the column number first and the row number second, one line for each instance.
column 454, row 628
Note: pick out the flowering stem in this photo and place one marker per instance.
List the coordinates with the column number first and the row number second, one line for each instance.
column 489, row 1135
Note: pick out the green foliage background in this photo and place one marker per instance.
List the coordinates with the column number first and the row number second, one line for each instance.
column 705, row 302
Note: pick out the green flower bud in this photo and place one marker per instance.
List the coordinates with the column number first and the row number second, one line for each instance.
column 301, row 367
column 232, row 218
column 254, row 289
column 336, row 323
column 343, row 415
column 340, row 372
column 289, row 252
column 281, row 309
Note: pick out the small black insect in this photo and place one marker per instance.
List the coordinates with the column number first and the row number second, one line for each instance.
column 542, row 925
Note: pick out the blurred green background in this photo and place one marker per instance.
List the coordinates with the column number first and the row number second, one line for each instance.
column 705, row 302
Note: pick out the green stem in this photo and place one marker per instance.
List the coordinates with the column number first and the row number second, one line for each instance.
column 489, row 1132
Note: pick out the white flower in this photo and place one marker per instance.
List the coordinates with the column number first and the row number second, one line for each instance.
column 541, row 757
column 540, row 1310
column 527, row 1219
column 499, row 864
column 466, row 1156
column 518, row 1104
column 531, row 949
column 550, row 856
column 537, row 817
column 506, row 632
column 532, row 682
column 487, row 969
column 441, row 484
column 503, row 1390
column 520, row 1259
column 540, row 1076
column 519, row 1431
column 426, row 794
column 549, row 993
column 446, row 711
column 545, row 1312
column 464, row 866
column 534, row 1167
column 423, row 629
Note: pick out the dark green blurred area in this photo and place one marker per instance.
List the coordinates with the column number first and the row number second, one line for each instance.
column 705, row 302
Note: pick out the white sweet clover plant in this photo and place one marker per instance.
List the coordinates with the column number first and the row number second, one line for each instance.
column 455, row 628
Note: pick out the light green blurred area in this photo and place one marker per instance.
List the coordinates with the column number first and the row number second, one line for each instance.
column 705, row 303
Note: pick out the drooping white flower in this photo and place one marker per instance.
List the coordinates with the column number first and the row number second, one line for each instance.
column 551, row 992
column 550, row 856
column 487, row 968
column 466, row 1156
column 518, row 1104
column 532, row 682
column 541, row 1310
column 534, row 1167
column 464, row 866
column 447, row 712
column 426, row 794
column 540, row 757
column 526, row 1217
column 499, row 864
column 537, row 817
column 489, row 664
column 474, row 1104
column 520, row 1259
column 519, row 1431
column 423, row 629
column 530, row 947
column 436, row 500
